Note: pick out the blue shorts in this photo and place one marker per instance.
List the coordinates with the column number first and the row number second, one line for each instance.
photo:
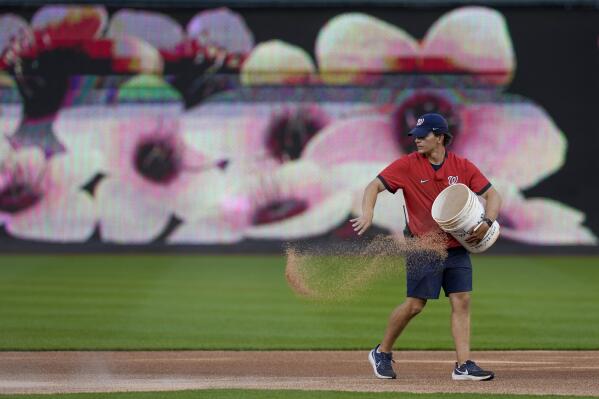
column 426, row 274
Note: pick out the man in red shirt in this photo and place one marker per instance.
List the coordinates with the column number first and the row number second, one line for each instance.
column 422, row 175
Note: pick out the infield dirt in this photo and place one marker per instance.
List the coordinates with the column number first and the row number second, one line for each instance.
column 517, row 372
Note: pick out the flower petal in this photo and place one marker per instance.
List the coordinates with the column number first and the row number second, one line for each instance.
column 71, row 21
column 205, row 231
column 4, row 217
column 30, row 160
column 318, row 219
column 5, row 149
column 201, row 195
column 127, row 216
column 11, row 26
column 61, row 216
column 223, row 28
column 369, row 139
column 112, row 130
column 11, row 115
column 82, row 129
column 77, row 168
column 353, row 175
column 354, row 43
column 295, row 178
column 500, row 138
column 475, row 39
column 159, row 30
column 540, row 221
column 134, row 55
column 276, row 62
column 547, row 222
column 235, row 131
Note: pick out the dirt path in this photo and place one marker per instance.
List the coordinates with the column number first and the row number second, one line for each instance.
column 518, row 372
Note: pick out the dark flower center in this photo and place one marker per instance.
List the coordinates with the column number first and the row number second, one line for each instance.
column 289, row 133
column 18, row 196
column 158, row 160
column 406, row 116
column 279, row 210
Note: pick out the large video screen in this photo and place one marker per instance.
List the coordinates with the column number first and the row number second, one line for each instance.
column 208, row 128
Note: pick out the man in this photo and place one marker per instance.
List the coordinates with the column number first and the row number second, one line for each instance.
column 422, row 175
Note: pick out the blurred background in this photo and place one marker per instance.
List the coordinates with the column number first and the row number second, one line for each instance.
column 238, row 126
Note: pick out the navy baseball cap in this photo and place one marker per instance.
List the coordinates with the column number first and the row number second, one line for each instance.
column 430, row 123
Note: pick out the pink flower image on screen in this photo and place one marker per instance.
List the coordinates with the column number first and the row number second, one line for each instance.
column 358, row 48
column 472, row 40
column 54, row 60
column 151, row 172
column 277, row 62
column 540, row 221
column 10, row 118
column 500, row 149
column 269, row 133
column 269, row 145
column 498, row 136
column 219, row 31
column 41, row 199
column 294, row 200
column 84, row 26
column 78, row 29
column 299, row 139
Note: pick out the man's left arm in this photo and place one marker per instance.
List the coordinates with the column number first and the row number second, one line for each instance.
column 492, row 207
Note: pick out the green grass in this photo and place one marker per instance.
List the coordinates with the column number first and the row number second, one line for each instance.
column 287, row 394
column 243, row 302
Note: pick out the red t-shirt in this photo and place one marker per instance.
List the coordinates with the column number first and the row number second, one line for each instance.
column 421, row 184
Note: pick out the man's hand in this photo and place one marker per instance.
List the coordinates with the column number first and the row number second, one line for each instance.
column 478, row 233
column 361, row 223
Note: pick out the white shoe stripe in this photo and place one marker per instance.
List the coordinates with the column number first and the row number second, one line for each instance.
column 467, row 377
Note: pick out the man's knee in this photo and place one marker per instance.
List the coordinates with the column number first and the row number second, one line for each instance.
column 460, row 301
column 415, row 305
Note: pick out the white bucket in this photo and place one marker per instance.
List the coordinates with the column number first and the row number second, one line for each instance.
column 457, row 211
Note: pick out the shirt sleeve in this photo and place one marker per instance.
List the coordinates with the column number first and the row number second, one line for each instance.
column 476, row 180
column 394, row 176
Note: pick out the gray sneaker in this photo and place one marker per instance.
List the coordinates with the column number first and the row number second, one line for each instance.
column 471, row 372
column 382, row 364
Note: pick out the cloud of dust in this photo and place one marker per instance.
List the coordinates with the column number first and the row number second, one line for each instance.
column 342, row 271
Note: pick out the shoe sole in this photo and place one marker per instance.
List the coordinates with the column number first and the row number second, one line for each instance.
column 373, row 363
column 466, row 377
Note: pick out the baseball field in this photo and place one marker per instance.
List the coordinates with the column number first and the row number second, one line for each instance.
column 230, row 326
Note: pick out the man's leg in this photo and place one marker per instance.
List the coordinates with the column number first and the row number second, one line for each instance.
column 465, row 369
column 381, row 357
column 460, row 324
column 423, row 281
column 399, row 319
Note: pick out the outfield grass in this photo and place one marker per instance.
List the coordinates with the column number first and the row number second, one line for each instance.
column 286, row 394
column 243, row 302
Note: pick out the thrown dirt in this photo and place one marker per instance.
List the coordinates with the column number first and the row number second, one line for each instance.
column 342, row 271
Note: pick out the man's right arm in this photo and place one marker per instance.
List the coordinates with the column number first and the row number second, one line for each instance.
column 363, row 222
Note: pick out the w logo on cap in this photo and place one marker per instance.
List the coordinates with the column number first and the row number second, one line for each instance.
column 420, row 121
